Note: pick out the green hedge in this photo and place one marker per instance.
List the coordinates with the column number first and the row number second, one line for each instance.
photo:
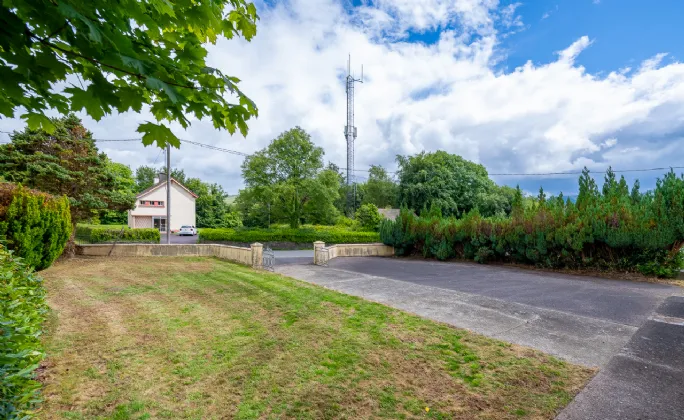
column 609, row 230
column 327, row 234
column 96, row 235
column 35, row 225
column 22, row 313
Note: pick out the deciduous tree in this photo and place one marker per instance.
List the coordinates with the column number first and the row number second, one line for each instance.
column 121, row 56
column 449, row 181
column 282, row 176
column 125, row 186
column 380, row 190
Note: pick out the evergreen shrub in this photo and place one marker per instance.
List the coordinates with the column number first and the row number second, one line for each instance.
column 35, row 225
column 611, row 229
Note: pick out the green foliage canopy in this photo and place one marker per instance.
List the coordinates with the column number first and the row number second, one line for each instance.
column 302, row 235
column 445, row 180
column 22, row 313
column 286, row 182
column 66, row 162
column 124, row 186
column 123, row 55
column 380, row 190
column 368, row 216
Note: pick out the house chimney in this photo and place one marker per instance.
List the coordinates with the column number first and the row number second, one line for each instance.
column 160, row 176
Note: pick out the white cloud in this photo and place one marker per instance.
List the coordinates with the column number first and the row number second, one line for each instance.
column 652, row 63
column 569, row 54
column 508, row 16
column 448, row 95
column 609, row 143
column 548, row 13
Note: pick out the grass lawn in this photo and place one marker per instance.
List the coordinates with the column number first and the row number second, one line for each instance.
column 201, row 338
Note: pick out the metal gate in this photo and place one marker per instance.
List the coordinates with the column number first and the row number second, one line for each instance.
column 268, row 259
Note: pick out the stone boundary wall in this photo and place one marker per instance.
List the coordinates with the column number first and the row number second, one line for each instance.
column 323, row 254
column 251, row 256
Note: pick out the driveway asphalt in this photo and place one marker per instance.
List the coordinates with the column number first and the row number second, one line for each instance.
column 634, row 332
column 177, row 239
column 623, row 302
column 294, row 257
column 584, row 320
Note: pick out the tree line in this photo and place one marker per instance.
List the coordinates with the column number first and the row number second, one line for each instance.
column 287, row 182
column 611, row 228
column 67, row 163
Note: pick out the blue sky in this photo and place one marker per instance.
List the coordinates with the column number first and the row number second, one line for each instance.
column 625, row 32
column 518, row 86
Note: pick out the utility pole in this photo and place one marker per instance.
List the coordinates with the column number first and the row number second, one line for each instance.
column 168, row 194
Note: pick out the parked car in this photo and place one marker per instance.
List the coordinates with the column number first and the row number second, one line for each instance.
column 187, row 230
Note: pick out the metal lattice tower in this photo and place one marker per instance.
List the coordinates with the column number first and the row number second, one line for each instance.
column 350, row 130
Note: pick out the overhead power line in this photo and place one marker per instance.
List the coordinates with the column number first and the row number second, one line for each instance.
column 206, row 146
column 580, row 172
column 220, row 149
column 116, row 140
column 238, row 153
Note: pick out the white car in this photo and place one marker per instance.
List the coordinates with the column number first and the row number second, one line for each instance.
column 187, row 230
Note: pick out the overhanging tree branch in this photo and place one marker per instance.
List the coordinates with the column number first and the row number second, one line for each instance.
column 47, row 43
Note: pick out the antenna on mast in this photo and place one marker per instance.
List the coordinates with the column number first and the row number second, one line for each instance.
column 350, row 135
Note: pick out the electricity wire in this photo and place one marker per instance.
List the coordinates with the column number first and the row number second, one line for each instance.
column 521, row 174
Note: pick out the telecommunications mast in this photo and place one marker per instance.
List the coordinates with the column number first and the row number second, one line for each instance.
column 350, row 133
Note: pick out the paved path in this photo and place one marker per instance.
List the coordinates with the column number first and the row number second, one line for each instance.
column 581, row 319
column 645, row 380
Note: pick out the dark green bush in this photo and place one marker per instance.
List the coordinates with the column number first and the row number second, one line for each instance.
column 368, row 216
column 327, row 234
column 35, row 225
column 105, row 235
column 608, row 230
column 22, row 313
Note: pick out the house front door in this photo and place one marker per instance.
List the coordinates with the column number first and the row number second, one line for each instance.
column 160, row 223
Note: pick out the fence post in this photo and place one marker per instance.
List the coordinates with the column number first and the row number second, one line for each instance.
column 257, row 255
column 317, row 248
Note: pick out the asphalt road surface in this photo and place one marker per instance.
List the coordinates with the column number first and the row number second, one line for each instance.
column 176, row 239
column 634, row 332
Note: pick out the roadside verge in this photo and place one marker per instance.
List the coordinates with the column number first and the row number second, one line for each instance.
column 645, row 380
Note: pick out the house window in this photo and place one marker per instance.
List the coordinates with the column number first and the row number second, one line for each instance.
column 147, row 203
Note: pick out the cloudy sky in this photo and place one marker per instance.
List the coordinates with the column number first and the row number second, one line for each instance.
column 521, row 87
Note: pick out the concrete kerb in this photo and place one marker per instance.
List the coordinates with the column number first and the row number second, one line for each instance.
column 251, row 256
column 323, row 254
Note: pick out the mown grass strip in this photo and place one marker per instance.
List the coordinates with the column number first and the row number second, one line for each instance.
column 202, row 338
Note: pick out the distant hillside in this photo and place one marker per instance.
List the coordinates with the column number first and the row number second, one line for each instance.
column 230, row 199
